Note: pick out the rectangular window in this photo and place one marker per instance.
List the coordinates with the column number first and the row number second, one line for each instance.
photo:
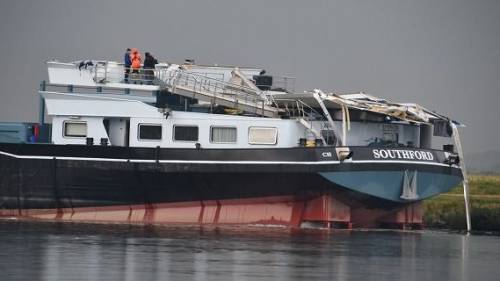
column 390, row 133
column 390, row 128
column 262, row 135
column 391, row 137
column 329, row 137
column 150, row 132
column 223, row 135
column 75, row 129
column 185, row 133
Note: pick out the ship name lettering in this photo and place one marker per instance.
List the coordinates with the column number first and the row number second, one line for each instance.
column 402, row 154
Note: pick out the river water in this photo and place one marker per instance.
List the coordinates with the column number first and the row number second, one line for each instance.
column 57, row 251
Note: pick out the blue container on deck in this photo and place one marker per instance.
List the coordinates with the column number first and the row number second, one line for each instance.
column 16, row 132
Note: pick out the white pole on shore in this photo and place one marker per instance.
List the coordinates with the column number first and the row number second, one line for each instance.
column 458, row 144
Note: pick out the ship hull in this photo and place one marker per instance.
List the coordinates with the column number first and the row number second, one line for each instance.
column 278, row 186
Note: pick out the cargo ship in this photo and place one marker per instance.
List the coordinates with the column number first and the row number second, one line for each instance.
column 209, row 144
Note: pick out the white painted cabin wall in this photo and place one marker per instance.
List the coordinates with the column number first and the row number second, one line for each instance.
column 95, row 129
column 69, row 74
column 134, row 133
column 288, row 130
column 363, row 133
column 117, row 131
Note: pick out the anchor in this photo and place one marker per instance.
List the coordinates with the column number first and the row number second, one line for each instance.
column 409, row 191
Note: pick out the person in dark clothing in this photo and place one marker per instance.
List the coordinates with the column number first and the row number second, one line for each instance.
column 149, row 65
column 127, row 64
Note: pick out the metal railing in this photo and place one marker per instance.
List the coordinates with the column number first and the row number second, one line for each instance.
column 164, row 77
column 218, row 76
column 188, row 84
column 210, row 86
column 297, row 108
column 108, row 73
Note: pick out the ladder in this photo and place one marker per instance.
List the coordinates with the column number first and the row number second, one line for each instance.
column 304, row 114
column 207, row 89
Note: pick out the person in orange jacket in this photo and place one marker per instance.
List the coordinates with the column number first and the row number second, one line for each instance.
column 135, row 58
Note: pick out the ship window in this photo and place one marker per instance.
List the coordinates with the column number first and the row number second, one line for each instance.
column 329, row 136
column 262, row 135
column 75, row 129
column 149, row 132
column 390, row 133
column 390, row 137
column 223, row 135
column 185, row 133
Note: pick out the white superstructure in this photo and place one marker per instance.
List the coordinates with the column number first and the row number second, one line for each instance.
column 99, row 106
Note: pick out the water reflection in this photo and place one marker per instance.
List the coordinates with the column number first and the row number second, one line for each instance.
column 45, row 251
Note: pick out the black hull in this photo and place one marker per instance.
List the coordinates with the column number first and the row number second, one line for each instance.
column 72, row 176
column 42, row 184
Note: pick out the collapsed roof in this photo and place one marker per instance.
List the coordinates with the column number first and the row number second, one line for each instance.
column 409, row 112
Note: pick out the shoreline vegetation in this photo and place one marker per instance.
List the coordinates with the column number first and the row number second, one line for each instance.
column 448, row 211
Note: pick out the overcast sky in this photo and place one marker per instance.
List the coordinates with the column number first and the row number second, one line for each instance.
column 442, row 54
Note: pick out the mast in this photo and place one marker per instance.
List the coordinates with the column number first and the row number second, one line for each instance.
column 458, row 144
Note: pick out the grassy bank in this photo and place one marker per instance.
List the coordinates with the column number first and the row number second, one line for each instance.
column 448, row 211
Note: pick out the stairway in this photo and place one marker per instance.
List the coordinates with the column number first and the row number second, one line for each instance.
column 203, row 88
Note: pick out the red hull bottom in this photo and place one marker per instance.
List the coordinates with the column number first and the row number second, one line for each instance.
column 323, row 210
